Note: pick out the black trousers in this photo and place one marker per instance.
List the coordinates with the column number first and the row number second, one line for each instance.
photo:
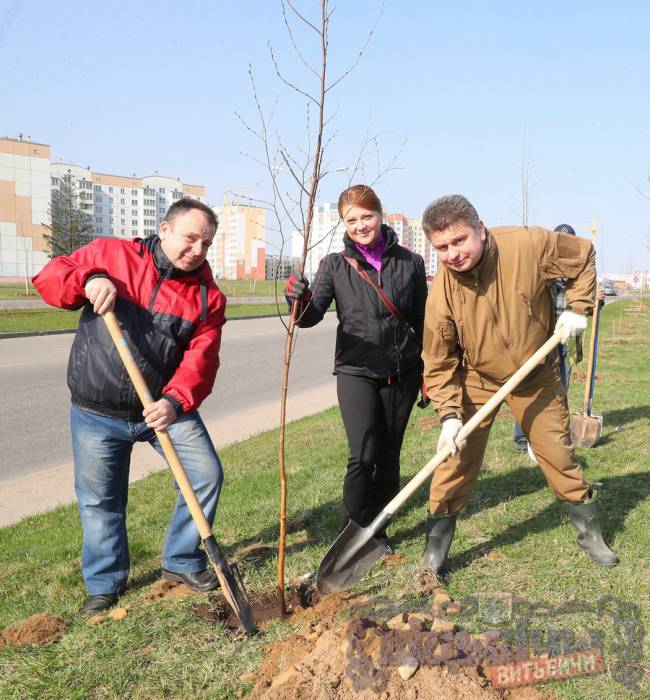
column 375, row 413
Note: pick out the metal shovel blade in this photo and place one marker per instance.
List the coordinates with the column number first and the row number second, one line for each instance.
column 585, row 429
column 349, row 559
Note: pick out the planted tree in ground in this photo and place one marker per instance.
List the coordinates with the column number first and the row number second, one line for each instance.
column 70, row 227
column 296, row 173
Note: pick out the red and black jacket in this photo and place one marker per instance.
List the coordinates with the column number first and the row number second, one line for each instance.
column 172, row 320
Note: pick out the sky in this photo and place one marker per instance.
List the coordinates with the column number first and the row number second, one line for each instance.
column 459, row 97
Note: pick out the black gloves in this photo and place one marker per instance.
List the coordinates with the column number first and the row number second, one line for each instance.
column 297, row 285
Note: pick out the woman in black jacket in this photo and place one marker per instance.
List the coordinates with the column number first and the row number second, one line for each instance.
column 377, row 363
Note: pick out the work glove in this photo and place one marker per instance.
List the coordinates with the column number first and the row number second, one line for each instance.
column 571, row 324
column 296, row 285
column 450, row 429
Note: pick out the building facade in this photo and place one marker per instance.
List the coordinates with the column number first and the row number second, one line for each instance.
column 239, row 248
column 280, row 266
column 124, row 207
column 420, row 244
column 326, row 237
column 24, row 207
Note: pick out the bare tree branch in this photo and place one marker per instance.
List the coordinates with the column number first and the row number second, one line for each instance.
column 288, row 83
column 359, row 55
column 293, row 41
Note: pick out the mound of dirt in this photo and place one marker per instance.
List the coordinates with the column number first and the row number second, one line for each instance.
column 341, row 652
column 169, row 589
column 35, row 630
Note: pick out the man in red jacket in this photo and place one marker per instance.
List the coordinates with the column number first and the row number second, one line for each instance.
column 163, row 293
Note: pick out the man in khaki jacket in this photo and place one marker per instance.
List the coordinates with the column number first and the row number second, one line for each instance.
column 487, row 312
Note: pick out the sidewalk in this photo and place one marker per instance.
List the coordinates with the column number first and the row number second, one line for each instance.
column 46, row 490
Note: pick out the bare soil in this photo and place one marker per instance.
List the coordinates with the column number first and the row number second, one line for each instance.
column 337, row 653
column 35, row 630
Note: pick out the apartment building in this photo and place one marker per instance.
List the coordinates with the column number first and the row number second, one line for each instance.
column 280, row 266
column 326, row 237
column 121, row 206
column 420, row 244
column 24, row 207
column 239, row 248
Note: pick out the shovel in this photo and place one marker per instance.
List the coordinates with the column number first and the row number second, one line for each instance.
column 586, row 428
column 356, row 549
column 229, row 578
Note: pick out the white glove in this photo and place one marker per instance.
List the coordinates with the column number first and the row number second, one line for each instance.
column 571, row 324
column 450, row 429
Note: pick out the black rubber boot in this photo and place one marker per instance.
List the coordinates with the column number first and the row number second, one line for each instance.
column 584, row 517
column 440, row 532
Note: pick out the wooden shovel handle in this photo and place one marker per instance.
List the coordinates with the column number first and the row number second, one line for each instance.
column 163, row 436
column 589, row 380
column 490, row 405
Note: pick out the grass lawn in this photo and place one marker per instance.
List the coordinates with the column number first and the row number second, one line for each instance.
column 49, row 319
column 513, row 540
column 231, row 288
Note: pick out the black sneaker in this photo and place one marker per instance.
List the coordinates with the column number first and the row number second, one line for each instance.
column 199, row 581
column 521, row 445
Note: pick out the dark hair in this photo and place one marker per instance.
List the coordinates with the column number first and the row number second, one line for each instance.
column 359, row 196
column 446, row 211
column 565, row 228
column 185, row 204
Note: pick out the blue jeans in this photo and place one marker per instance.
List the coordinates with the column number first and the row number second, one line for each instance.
column 565, row 376
column 102, row 454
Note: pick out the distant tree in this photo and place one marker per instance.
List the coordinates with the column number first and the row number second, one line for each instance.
column 70, row 227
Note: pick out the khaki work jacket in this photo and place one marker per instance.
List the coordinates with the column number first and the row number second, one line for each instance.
column 494, row 317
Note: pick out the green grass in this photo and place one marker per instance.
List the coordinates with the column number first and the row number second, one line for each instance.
column 48, row 319
column 162, row 650
column 246, row 288
column 235, row 288
column 16, row 290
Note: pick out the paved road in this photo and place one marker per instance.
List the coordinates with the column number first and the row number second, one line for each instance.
column 34, row 411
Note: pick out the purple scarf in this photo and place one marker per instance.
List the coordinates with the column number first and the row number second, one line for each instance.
column 373, row 255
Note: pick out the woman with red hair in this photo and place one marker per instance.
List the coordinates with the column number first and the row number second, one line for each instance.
column 380, row 292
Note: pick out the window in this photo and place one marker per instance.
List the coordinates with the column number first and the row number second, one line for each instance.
column 177, row 194
column 149, row 191
column 135, row 233
column 98, row 208
column 110, row 189
column 98, row 198
column 134, row 192
column 122, row 201
column 55, row 181
column 98, row 188
column 85, row 185
column 122, row 223
column 122, row 211
column 150, row 202
column 122, row 190
column 134, row 202
column 122, row 231
column 161, row 190
column 134, row 222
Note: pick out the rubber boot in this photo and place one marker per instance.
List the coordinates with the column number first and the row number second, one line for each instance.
column 584, row 517
column 440, row 532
